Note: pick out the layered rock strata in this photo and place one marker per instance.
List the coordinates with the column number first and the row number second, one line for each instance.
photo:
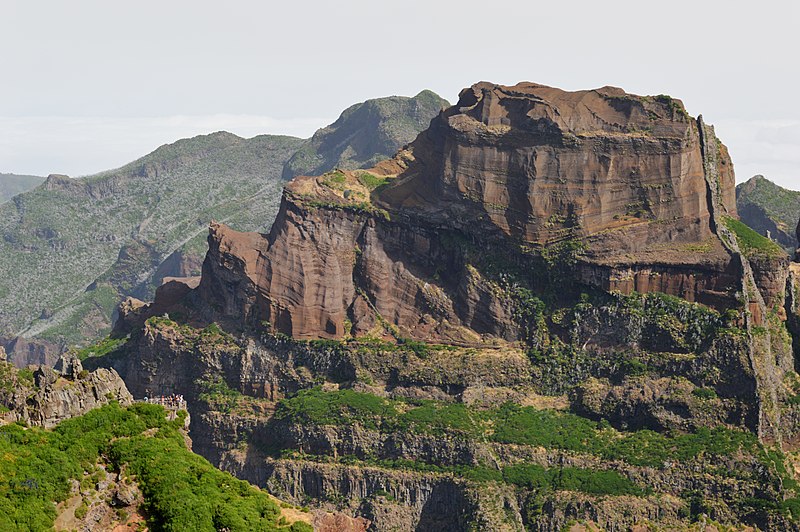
column 631, row 180
column 571, row 250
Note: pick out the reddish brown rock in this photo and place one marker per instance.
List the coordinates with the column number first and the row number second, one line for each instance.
column 339, row 522
column 540, row 163
column 630, row 177
column 23, row 352
column 132, row 313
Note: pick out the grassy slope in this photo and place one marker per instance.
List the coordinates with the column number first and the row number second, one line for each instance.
column 763, row 205
column 13, row 184
column 60, row 239
column 182, row 491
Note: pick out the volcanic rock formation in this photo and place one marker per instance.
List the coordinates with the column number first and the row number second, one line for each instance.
column 53, row 395
column 525, row 250
column 632, row 183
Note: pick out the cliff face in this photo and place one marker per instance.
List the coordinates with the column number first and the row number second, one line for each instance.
column 626, row 183
column 540, row 163
column 458, row 313
column 49, row 396
column 421, row 471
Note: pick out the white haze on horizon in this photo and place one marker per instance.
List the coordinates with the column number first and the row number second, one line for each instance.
column 231, row 65
column 80, row 146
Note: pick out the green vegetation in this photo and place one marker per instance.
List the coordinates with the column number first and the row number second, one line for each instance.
column 211, row 334
column 765, row 206
column 752, row 243
column 336, row 177
column 674, row 324
column 378, row 127
column 602, row 482
column 361, row 207
column 530, row 476
column 182, row 491
column 217, row 392
column 371, row 181
column 102, row 347
column 704, row 393
column 512, row 424
column 177, row 189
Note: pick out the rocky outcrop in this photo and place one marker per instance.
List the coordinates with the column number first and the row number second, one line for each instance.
column 561, row 249
column 390, row 500
column 54, row 395
column 624, row 178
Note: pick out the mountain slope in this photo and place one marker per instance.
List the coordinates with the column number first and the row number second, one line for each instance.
column 13, row 184
column 72, row 247
column 543, row 310
column 765, row 206
column 366, row 133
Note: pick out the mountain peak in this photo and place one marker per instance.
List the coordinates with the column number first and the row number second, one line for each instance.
column 365, row 132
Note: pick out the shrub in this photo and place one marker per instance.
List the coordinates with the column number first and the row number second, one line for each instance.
column 182, row 491
column 704, row 393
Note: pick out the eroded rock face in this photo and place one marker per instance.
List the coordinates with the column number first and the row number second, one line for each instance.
column 53, row 397
column 538, row 162
column 510, row 231
column 630, row 179
column 23, row 352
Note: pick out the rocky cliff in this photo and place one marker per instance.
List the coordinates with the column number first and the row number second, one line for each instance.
column 72, row 249
column 627, row 188
column 46, row 396
column 543, row 309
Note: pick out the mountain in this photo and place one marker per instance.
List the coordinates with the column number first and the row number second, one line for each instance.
column 12, row 184
column 365, row 134
column 765, row 206
column 542, row 313
column 72, row 249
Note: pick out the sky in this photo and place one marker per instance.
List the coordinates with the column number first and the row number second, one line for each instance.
column 89, row 85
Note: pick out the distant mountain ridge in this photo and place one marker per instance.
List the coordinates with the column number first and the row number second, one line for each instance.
column 765, row 206
column 365, row 134
column 13, row 184
column 71, row 249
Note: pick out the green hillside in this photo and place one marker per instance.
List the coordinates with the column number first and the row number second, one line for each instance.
column 181, row 491
column 72, row 248
column 13, row 184
column 365, row 134
column 765, row 206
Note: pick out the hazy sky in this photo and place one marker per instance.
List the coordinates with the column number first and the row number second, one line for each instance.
column 90, row 85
